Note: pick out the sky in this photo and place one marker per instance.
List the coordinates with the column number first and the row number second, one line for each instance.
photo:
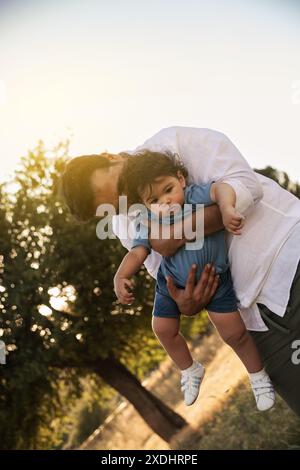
column 110, row 73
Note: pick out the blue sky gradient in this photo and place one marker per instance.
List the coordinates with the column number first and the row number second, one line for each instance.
column 111, row 73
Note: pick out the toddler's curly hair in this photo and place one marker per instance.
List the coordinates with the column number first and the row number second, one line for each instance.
column 142, row 169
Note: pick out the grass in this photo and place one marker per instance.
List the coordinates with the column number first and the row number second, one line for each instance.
column 240, row 426
column 224, row 417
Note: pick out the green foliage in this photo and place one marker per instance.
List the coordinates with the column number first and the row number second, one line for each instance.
column 195, row 326
column 96, row 402
column 238, row 426
column 282, row 178
column 42, row 248
column 88, row 417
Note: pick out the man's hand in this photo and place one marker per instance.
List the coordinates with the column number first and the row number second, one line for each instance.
column 193, row 298
column 123, row 287
column 169, row 246
column 162, row 239
column 233, row 221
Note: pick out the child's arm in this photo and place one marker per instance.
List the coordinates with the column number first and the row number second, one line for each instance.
column 224, row 195
column 129, row 266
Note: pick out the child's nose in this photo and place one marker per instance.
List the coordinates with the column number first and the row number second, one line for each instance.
column 166, row 200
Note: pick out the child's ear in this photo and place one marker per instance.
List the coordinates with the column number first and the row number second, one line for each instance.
column 181, row 179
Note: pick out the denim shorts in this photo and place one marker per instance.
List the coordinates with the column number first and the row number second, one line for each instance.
column 224, row 300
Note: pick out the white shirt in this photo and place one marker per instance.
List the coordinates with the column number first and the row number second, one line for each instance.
column 264, row 258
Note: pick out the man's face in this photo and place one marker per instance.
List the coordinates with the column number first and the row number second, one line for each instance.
column 104, row 186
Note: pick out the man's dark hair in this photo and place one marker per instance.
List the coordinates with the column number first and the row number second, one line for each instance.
column 75, row 184
column 141, row 170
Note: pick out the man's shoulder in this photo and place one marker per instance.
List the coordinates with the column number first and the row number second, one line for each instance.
column 171, row 137
column 178, row 130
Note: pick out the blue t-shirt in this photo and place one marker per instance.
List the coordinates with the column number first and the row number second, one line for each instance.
column 214, row 251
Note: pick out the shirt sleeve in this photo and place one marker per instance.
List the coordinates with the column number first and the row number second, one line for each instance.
column 210, row 155
column 199, row 194
column 239, row 175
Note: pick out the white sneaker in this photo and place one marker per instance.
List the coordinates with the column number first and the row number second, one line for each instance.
column 263, row 390
column 191, row 379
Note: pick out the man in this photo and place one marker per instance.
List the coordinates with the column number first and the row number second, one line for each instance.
column 264, row 259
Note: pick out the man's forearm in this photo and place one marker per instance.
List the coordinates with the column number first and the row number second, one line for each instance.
column 212, row 220
column 212, row 223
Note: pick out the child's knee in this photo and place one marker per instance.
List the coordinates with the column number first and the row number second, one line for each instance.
column 163, row 328
column 236, row 338
column 160, row 328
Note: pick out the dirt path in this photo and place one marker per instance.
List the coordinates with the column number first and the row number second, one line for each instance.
column 223, row 373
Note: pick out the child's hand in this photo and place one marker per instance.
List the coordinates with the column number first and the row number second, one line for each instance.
column 123, row 288
column 233, row 221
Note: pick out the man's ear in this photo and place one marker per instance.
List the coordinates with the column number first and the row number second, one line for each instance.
column 181, row 179
column 115, row 158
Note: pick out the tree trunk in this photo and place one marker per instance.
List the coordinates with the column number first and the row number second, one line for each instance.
column 161, row 419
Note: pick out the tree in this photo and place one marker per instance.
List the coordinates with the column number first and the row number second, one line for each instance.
column 59, row 312
column 281, row 177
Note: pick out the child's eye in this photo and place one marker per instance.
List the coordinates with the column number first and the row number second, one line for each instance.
column 154, row 201
column 168, row 190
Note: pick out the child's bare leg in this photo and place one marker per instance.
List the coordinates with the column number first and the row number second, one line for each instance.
column 233, row 331
column 167, row 332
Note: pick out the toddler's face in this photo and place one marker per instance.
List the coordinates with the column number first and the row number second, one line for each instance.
column 165, row 195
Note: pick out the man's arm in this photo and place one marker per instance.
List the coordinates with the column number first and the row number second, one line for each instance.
column 210, row 155
column 212, row 223
column 224, row 163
